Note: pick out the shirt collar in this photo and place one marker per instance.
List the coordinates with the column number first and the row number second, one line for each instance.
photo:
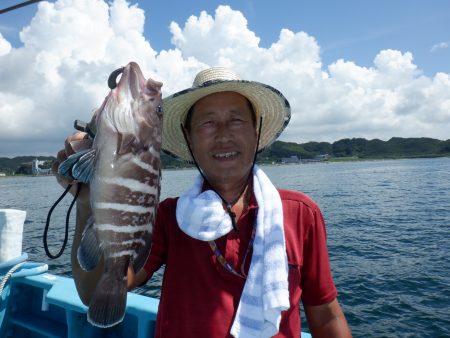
column 252, row 204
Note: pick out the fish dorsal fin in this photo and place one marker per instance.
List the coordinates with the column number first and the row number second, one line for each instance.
column 79, row 166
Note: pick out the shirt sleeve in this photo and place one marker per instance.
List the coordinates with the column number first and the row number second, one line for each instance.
column 158, row 251
column 317, row 282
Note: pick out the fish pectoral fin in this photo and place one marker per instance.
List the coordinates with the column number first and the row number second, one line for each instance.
column 142, row 255
column 107, row 307
column 65, row 168
column 89, row 251
column 83, row 169
column 78, row 166
column 126, row 143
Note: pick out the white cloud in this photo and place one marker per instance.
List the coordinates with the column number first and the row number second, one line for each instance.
column 71, row 46
column 441, row 45
column 391, row 98
column 224, row 38
column 5, row 46
column 59, row 75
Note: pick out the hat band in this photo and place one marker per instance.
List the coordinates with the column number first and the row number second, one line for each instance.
column 210, row 82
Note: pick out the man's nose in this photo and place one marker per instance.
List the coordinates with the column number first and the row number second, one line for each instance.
column 223, row 132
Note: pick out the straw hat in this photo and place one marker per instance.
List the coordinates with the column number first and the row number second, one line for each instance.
column 267, row 101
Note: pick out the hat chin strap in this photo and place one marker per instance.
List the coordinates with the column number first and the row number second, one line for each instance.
column 232, row 203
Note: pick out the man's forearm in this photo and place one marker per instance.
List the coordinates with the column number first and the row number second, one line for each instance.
column 327, row 321
column 337, row 327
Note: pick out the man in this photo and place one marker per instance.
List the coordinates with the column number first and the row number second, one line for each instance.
column 239, row 254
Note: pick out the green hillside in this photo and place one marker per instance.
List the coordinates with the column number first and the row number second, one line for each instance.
column 355, row 148
column 359, row 148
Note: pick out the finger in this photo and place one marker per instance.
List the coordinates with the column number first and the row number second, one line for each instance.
column 55, row 166
column 61, row 156
column 79, row 145
column 74, row 137
column 63, row 181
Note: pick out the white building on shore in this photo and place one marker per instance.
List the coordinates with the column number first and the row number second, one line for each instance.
column 35, row 170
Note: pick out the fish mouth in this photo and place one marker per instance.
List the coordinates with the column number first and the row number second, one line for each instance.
column 131, row 79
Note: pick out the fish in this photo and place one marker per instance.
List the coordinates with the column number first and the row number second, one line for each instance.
column 123, row 171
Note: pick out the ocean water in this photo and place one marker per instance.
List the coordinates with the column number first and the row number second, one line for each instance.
column 388, row 230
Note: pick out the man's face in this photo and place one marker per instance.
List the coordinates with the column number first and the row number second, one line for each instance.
column 223, row 137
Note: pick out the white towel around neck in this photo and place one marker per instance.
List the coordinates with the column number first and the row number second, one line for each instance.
column 201, row 215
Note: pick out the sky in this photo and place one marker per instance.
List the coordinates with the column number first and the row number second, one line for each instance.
column 349, row 68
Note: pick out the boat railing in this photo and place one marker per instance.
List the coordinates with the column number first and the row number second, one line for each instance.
column 47, row 305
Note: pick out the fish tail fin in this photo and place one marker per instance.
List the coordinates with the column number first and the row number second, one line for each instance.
column 89, row 251
column 107, row 307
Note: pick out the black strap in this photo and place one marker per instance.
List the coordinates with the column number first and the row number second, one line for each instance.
column 47, row 223
column 22, row 4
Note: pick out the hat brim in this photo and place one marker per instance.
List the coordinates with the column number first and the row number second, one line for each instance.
column 267, row 101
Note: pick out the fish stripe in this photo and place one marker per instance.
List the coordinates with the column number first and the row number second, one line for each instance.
column 131, row 253
column 147, row 201
column 113, row 194
column 131, row 184
column 138, row 169
column 128, row 229
column 154, row 151
column 122, row 207
column 144, row 165
column 111, row 216
column 130, row 242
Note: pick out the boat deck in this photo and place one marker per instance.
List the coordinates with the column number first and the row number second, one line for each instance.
column 46, row 305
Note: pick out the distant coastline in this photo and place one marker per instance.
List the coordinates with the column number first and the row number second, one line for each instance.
column 355, row 149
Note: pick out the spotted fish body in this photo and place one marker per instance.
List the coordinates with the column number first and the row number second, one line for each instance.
column 123, row 169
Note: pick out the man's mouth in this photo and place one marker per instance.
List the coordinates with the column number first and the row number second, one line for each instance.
column 225, row 155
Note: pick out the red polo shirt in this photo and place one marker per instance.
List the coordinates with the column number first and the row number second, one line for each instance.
column 199, row 297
